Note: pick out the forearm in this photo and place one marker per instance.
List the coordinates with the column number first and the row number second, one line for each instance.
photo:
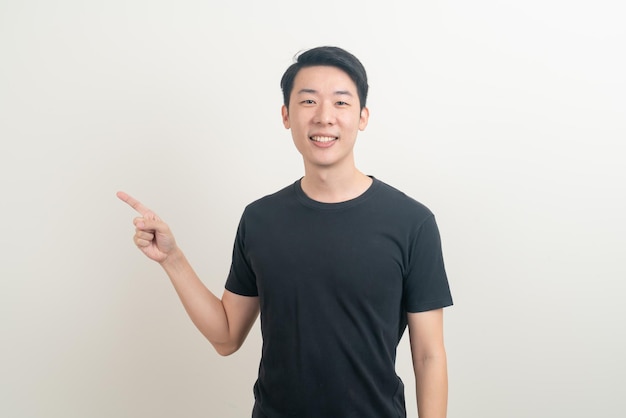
column 431, row 382
column 204, row 308
column 224, row 322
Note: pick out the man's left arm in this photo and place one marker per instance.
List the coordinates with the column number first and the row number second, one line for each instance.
column 429, row 363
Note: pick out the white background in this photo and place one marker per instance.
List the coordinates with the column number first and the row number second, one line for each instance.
column 507, row 119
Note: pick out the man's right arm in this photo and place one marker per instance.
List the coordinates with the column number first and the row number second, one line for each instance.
column 224, row 322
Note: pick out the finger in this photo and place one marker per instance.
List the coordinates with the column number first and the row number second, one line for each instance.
column 150, row 223
column 134, row 203
column 142, row 242
column 143, row 235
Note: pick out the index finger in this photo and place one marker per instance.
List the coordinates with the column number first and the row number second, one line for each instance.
column 133, row 203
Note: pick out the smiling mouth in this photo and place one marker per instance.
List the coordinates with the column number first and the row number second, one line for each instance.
column 322, row 138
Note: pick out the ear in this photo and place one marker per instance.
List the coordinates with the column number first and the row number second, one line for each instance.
column 285, row 113
column 365, row 115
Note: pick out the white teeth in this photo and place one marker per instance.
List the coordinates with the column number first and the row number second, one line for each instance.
column 323, row 138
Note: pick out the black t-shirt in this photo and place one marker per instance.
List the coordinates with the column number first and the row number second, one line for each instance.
column 335, row 281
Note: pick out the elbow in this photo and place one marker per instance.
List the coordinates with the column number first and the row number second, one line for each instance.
column 226, row 350
column 432, row 356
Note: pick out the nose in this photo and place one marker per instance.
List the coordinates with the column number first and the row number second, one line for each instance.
column 325, row 114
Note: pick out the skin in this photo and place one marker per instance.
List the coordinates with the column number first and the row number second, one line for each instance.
column 224, row 322
column 429, row 363
column 323, row 104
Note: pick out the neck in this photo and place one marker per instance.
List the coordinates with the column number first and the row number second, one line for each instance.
column 333, row 186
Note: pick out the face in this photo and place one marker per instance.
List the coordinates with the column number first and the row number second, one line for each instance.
column 324, row 116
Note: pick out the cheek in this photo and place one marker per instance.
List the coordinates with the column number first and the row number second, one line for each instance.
column 351, row 121
column 299, row 123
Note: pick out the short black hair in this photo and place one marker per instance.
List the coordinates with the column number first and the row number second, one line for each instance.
column 329, row 56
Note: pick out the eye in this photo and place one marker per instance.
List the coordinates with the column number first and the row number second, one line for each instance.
column 342, row 103
column 308, row 102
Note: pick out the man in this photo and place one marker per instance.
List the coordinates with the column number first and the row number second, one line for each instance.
column 338, row 264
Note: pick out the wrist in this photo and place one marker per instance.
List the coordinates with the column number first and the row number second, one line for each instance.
column 173, row 259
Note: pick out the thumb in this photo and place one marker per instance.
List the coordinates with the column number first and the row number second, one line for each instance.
column 150, row 224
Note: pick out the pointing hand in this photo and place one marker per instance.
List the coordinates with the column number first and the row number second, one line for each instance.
column 152, row 236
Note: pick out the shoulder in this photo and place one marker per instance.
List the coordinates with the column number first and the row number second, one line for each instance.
column 399, row 203
column 272, row 202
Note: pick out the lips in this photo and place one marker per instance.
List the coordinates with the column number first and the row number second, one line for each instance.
column 323, row 139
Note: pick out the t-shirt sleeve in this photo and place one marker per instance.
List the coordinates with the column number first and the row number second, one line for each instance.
column 426, row 284
column 241, row 278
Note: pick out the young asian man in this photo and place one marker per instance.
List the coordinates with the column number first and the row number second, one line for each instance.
column 338, row 264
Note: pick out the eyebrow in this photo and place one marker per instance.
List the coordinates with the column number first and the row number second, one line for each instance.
column 337, row 93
